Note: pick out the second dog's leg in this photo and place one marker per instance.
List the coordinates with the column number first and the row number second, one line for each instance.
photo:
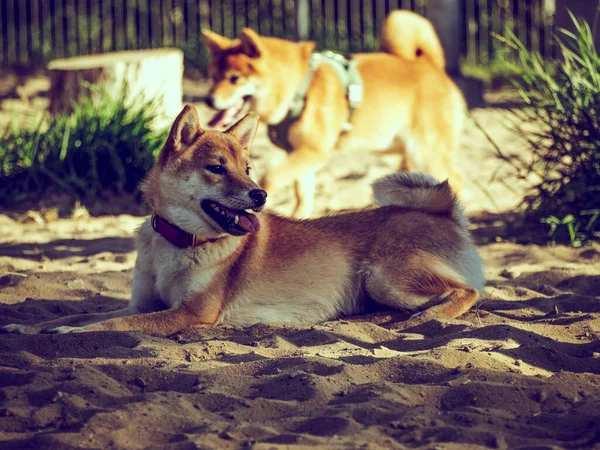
column 305, row 195
column 301, row 167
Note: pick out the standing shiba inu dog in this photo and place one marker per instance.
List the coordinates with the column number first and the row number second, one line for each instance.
column 409, row 106
column 211, row 257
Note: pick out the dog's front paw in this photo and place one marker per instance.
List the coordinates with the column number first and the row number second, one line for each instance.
column 16, row 328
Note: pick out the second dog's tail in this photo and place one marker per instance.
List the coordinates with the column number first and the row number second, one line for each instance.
column 421, row 192
column 411, row 36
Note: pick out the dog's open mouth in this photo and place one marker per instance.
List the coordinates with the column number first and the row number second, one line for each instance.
column 232, row 221
column 226, row 117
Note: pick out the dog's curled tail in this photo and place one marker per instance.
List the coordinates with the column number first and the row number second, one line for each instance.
column 411, row 36
column 420, row 192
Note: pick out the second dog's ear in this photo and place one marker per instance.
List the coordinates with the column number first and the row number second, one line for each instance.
column 244, row 130
column 215, row 42
column 251, row 44
column 185, row 130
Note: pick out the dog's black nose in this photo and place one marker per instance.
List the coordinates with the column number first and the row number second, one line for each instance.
column 209, row 101
column 258, row 196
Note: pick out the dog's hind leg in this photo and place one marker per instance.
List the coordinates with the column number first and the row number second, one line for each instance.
column 453, row 303
column 412, row 160
column 425, row 286
column 431, row 149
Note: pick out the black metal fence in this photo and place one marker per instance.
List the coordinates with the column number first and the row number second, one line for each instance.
column 38, row 30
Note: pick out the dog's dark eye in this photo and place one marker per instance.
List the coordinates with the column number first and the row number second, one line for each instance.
column 248, row 170
column 216, row 168
column 233, row 79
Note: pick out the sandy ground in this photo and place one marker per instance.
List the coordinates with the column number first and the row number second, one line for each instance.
column 521, row 370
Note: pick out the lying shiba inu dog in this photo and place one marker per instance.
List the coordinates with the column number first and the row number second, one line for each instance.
column 409, row 105
column 210, row 256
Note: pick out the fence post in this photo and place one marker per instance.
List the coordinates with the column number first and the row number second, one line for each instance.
column 302, row 20
column 447, row 18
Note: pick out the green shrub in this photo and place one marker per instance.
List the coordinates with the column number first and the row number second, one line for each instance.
column 561, row 123
column 495, row 74
column 105, row 144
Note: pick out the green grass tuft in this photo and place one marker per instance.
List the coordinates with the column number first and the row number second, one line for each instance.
column 105, row 144
column 561, row 123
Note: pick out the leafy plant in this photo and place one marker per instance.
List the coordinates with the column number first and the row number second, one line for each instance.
column 561, row 123
column 105, row 144
column 495, row 73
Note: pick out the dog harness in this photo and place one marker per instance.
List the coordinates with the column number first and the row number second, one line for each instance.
column 348, row 75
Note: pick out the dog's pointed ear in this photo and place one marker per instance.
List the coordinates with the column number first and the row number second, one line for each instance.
column 251, row 43
column 185, row 130
column 244, row 129
column 215, row 42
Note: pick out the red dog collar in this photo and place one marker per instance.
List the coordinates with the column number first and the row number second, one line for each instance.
column 175, row 235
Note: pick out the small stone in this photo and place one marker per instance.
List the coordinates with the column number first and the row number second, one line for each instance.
column 540, row 396
column 191, row 357
column 76, row 283
column 141, row 383
column 225, row 435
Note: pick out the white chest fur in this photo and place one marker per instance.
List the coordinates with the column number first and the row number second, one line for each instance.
column 181, row 273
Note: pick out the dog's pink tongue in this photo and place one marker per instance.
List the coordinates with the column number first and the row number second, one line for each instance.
column 249, row 222
column 225, row 116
